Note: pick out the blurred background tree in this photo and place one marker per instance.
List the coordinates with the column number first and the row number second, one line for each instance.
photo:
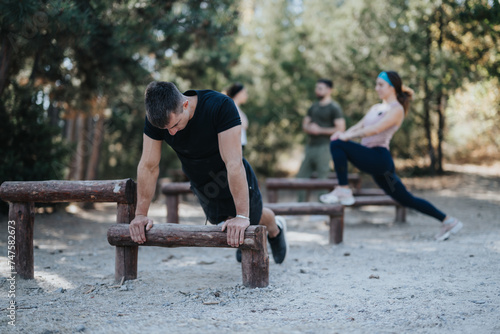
column 436, row 46
column 73, row 73
column 86, row 64
column 439, row 46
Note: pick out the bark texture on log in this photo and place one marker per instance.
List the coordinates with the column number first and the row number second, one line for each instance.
column 289, row 183
column 336, row 229
column 120, row 191
column 174, row 235
column 23, row 216
column 176, row 188
column 305, row 208
column 126, row 258
column 255, row 262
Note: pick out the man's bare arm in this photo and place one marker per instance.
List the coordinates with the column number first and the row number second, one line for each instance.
column 230, row 150
column 305, row 124
column 147, row 176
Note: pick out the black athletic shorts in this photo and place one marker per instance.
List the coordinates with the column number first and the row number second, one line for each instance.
column 219, row 210
column 217, row 201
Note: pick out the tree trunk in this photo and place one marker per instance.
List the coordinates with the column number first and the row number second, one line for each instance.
column 99, row 104
column 96, row 149
column 53, row 113
column 427, row 104
column 427, row 126
column 440, row 99
column 440, row 110
column 5, row 56
column 79, row 158
column 70, row 126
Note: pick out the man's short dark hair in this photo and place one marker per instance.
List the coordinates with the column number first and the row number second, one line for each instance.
column 327, row 82
column 161, row 99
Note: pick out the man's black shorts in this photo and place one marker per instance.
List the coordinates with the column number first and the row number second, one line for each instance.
column 217, row 201
column 219, row 210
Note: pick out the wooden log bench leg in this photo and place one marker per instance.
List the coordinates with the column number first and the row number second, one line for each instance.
column 254, row 257
column 272, row 195
column 23, row 216
column 172, row 208
column 255, row 262
column 125, row 256
column 400, row 214
column 356, row 183
column 334, row 211
column 336, row 228
column 22, row 195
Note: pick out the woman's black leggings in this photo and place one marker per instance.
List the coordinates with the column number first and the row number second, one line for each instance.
column 378, row 162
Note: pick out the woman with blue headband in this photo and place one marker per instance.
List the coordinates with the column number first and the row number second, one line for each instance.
column 372, row 155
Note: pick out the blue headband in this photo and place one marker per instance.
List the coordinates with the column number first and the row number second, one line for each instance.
column 384, row 76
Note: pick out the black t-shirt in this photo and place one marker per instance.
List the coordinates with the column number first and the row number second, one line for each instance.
column 197, row 145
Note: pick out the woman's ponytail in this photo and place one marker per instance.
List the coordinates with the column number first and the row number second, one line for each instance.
column 404, row 94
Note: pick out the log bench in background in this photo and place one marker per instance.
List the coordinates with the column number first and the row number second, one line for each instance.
column 364, row 196
column 382, row 200
column 334, row 211
column 22, row 197
column 274, row 184
column 254, row 257
column 172, row 191
column 372, row 196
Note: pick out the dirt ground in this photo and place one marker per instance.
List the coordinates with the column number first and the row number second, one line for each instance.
column 384, row 277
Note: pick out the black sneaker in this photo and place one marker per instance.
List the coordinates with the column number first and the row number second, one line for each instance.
column 238, row 255
column 279, row 246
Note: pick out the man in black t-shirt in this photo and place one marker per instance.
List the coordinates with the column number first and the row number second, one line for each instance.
column 204, row 129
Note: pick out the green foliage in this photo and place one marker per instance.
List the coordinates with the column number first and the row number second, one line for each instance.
column 123, row 146
column 77, row 53
column 71, row 54
column 473, row 123
column 286, row 46
column 31, row 149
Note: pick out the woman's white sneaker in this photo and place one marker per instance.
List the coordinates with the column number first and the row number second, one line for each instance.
column 338, row 195
column 450, row 226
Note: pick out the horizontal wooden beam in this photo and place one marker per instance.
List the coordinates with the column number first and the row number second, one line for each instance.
column 298, row 183
column 174, row 235
column 176, row 188
column 119, row 191
column 374, row 200
column 307, row 208
column 368, row 192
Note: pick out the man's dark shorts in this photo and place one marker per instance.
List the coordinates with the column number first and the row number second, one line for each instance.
column 219, row 210
column 222, row 207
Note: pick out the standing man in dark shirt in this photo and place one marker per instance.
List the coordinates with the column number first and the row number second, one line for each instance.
column 323, row 119
column 204, row 129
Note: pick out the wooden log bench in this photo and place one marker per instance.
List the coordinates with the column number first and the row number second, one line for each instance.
column 22, row 197
column 172, row 191
column 382, row 200
column 334, row 211
column 254, row 257
column 274, row 184
column 364, row 196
